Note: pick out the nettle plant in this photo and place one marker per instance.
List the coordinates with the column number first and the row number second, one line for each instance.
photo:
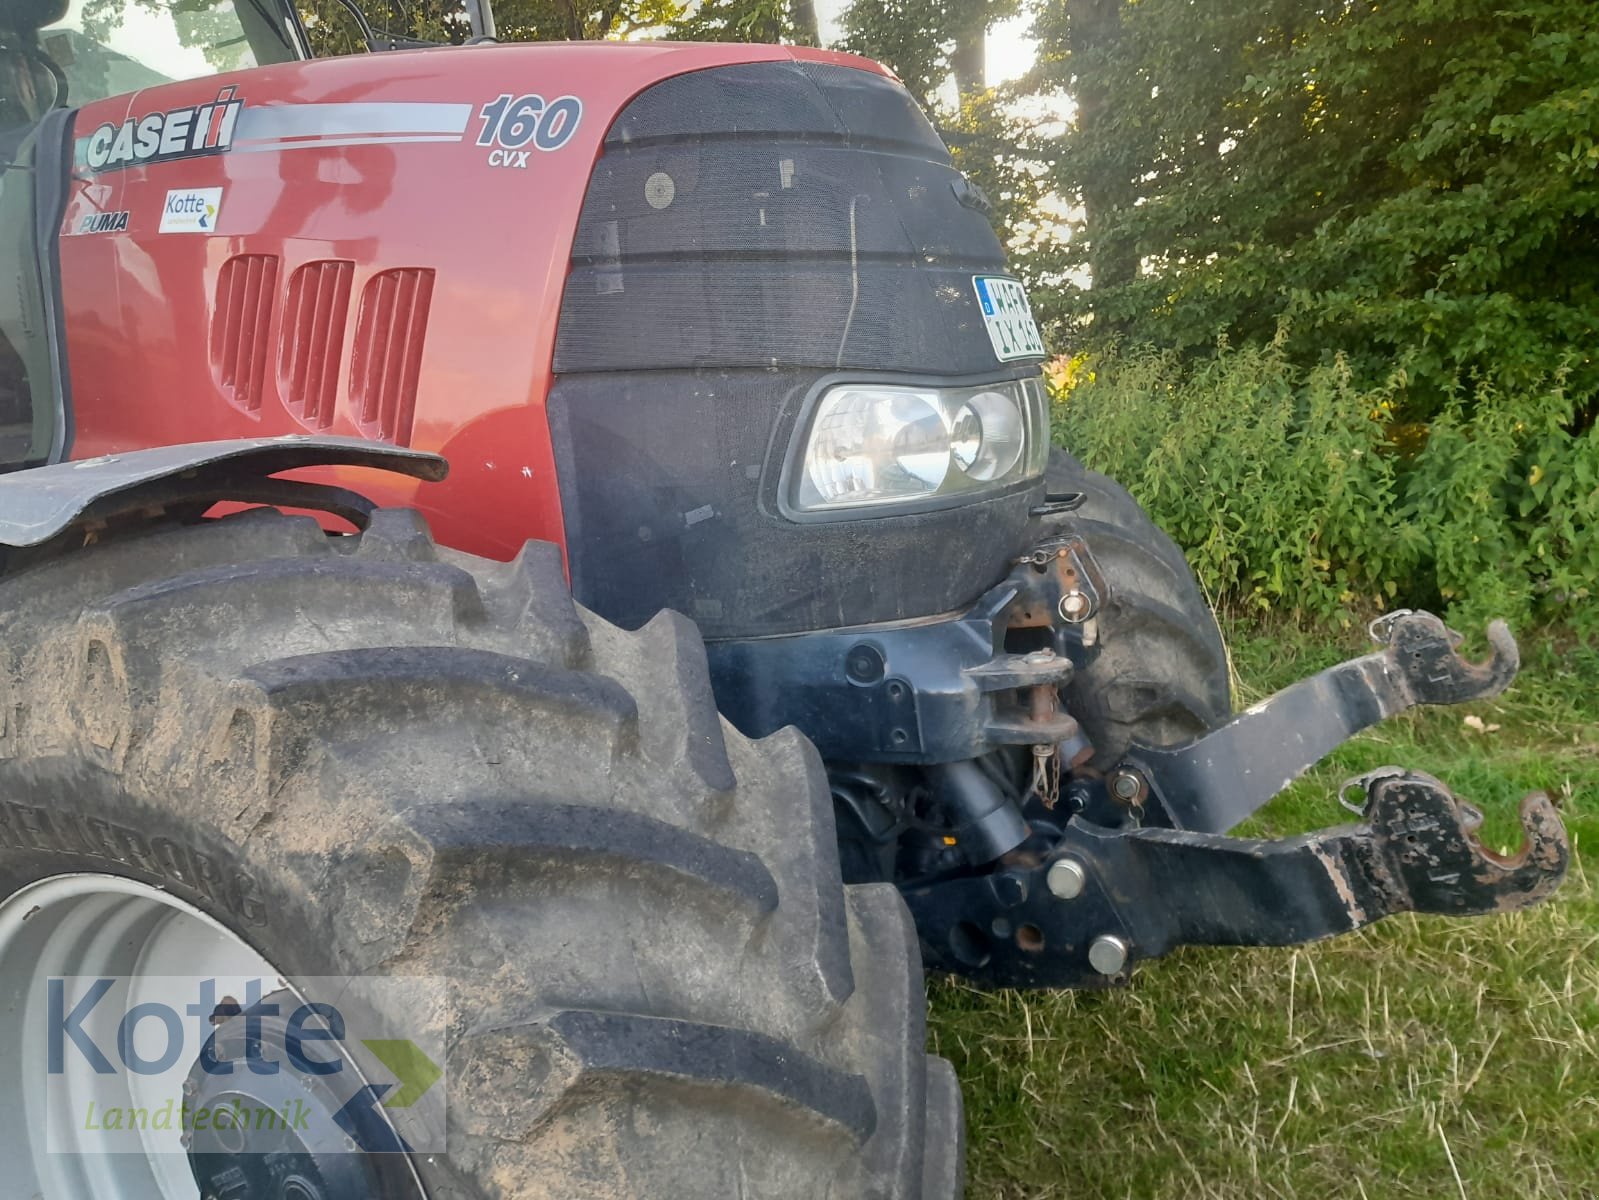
column 1297, row 490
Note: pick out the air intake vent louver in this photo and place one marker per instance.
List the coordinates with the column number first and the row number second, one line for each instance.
column 388, row 352
column 239, row 326
column 312, row 341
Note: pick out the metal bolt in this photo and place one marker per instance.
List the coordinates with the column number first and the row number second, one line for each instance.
column 1108, row 954
column 1066, row 878
column 1009, row 888
column 1074, row 606
column 1039, row 657
column 1125, row 785
column 864, row 664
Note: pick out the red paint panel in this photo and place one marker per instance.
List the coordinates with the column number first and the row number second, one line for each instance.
column 324, row 167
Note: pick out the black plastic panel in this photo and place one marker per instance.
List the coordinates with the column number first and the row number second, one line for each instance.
column 673, row 506
column 777, row 213
column 747, row 232
column 814, row 99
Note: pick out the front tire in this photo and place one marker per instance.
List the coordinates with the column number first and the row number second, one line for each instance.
column 369, row 756
column 1160, row 677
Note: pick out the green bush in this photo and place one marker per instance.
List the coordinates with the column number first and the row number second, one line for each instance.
column 1295, row 490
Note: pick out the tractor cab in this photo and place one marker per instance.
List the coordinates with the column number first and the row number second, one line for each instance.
column 58, row 54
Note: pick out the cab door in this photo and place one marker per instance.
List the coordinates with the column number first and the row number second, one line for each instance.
column 33, row 172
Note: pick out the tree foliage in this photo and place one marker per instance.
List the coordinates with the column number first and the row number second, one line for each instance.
column 747, row 21
column 334, row 32
column 1412, row 181
column 926, row 42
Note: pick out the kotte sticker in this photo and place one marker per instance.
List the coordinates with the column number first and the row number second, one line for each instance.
column 515, row 126
column 1008, row 317
column 191, row 210
column 102, row 222
column 186, row 132
column 154, row 1066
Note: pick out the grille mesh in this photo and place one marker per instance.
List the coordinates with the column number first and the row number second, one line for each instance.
column 748, row 233
column 776, row 215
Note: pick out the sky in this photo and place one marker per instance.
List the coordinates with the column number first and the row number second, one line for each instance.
column 1010, row 49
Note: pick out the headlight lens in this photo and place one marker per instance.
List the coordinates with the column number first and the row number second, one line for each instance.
column 988, row 435
column 871, row 445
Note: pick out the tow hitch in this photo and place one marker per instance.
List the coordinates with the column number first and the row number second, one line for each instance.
column 1078, row 906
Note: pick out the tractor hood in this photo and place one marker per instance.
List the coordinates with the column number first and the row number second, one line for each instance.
column 608, row 282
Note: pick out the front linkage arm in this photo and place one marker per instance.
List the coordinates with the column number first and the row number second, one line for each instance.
column 1415, row 850
column 1102, row 898
column 1079, row 909
column 1214, row 783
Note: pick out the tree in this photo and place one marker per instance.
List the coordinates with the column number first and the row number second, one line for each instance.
column 1006, row 155
column 927, row 41
column 333, row 31
column 202, row 24
column 807, row 27
column 748, row 21
column 1093, row 37
column 1415, row 181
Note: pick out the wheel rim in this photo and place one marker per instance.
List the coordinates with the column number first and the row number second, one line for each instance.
column 102, row 926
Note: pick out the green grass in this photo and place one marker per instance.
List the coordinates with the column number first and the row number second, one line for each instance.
column 1424, row 1057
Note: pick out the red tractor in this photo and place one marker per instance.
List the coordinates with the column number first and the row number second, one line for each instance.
column 755, row 649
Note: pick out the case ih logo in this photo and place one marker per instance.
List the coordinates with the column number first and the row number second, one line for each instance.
column 180, row 133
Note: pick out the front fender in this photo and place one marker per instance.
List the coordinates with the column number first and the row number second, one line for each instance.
column 42, row 503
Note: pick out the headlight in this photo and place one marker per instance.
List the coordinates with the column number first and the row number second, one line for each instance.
column 988, row 436
column 874, row 445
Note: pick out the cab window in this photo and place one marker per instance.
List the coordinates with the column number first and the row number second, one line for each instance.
column 60, row 53
column 27, row 380
column 109, row 47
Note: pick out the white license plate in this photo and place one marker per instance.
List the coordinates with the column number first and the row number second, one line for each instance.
column 1009, row 318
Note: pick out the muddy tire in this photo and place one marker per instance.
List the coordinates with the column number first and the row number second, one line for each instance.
column 373, row 756
column 1160, row 678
